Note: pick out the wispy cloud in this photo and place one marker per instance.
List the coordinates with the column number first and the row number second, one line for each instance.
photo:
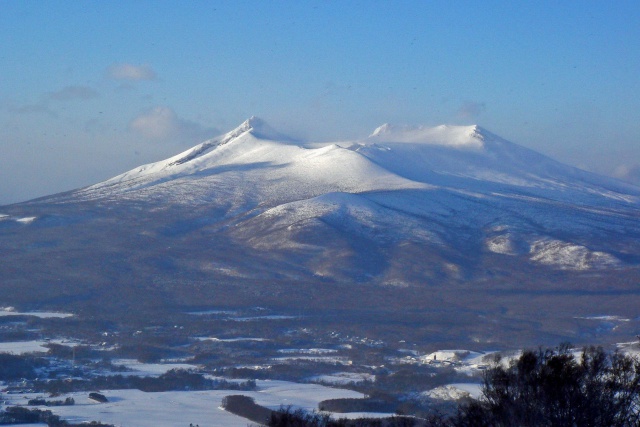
column 69, row 93
column 39, row 108
column 162, row 123
column 131, row 72
column 629, row 173
column 44, row 104
column 471, row 109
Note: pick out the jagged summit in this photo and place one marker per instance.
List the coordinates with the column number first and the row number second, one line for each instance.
column 460, row 137
column 253, row 125
column 254, row 162
column 260, row 129
column 205, row 154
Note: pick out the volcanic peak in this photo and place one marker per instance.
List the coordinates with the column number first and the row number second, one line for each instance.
column 459, row 137
column 260, row 129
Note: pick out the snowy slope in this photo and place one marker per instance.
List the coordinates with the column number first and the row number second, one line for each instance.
column 246, row 163
column 458, row 193
column 253, row 162
column 469, row 235
column 452, row 155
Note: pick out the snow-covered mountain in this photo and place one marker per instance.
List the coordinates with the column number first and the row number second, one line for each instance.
column 453, row 157
column 409, row 208
column 448, row 186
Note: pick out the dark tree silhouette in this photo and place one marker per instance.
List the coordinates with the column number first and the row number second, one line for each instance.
column 554, row 388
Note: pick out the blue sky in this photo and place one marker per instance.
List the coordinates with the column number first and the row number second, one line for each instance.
column 91, row 89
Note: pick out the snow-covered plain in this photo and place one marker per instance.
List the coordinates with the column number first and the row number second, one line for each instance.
column 23, row 347
column 136, row 408
column 33, row 346
column 237, row 339
column 308, row 350
column 258, row 318
column 211, row 312
column 342, row 378
column 10, row 311
column 337, row 360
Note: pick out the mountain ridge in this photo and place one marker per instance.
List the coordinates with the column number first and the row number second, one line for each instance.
column 419, row 221
column 441, row 149
column 459, row 172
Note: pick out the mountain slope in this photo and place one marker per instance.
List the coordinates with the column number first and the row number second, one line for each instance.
column 459, row 187
column 447, row 215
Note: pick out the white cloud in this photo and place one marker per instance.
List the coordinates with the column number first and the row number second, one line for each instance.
column 131, row 72
column 162, row 123
column 628, row 173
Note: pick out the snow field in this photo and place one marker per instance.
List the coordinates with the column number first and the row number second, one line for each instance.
column 10, row 311
column 455, row 391
column 135, row 408
column 343, row 378
column 33, row 346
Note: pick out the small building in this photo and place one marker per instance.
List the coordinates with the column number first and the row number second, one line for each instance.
column 97, row 397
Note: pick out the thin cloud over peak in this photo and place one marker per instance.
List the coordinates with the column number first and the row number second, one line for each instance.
column 162, row 123
column 629, row 173
column 131, row 72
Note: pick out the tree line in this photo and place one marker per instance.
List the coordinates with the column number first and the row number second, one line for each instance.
column 541, row 388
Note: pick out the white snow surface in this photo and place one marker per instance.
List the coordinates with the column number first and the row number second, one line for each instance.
column 258, row 318
column 455, row 391
column 453, row 356
column 211, row 312
column 607, row 317
column 343, row 378
column 26, row 220
column 21, row 220
column 631, row 348
column 10, row 311
column 237, row 339
column 503, row 244
column 308, row 350
column 254, row 160
column 177, row 408
column 33, row 346
column 568, row 256
column 23, row 347
column 151, row 369
column 460, row 137
column 336, row 360
column 242, row 163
